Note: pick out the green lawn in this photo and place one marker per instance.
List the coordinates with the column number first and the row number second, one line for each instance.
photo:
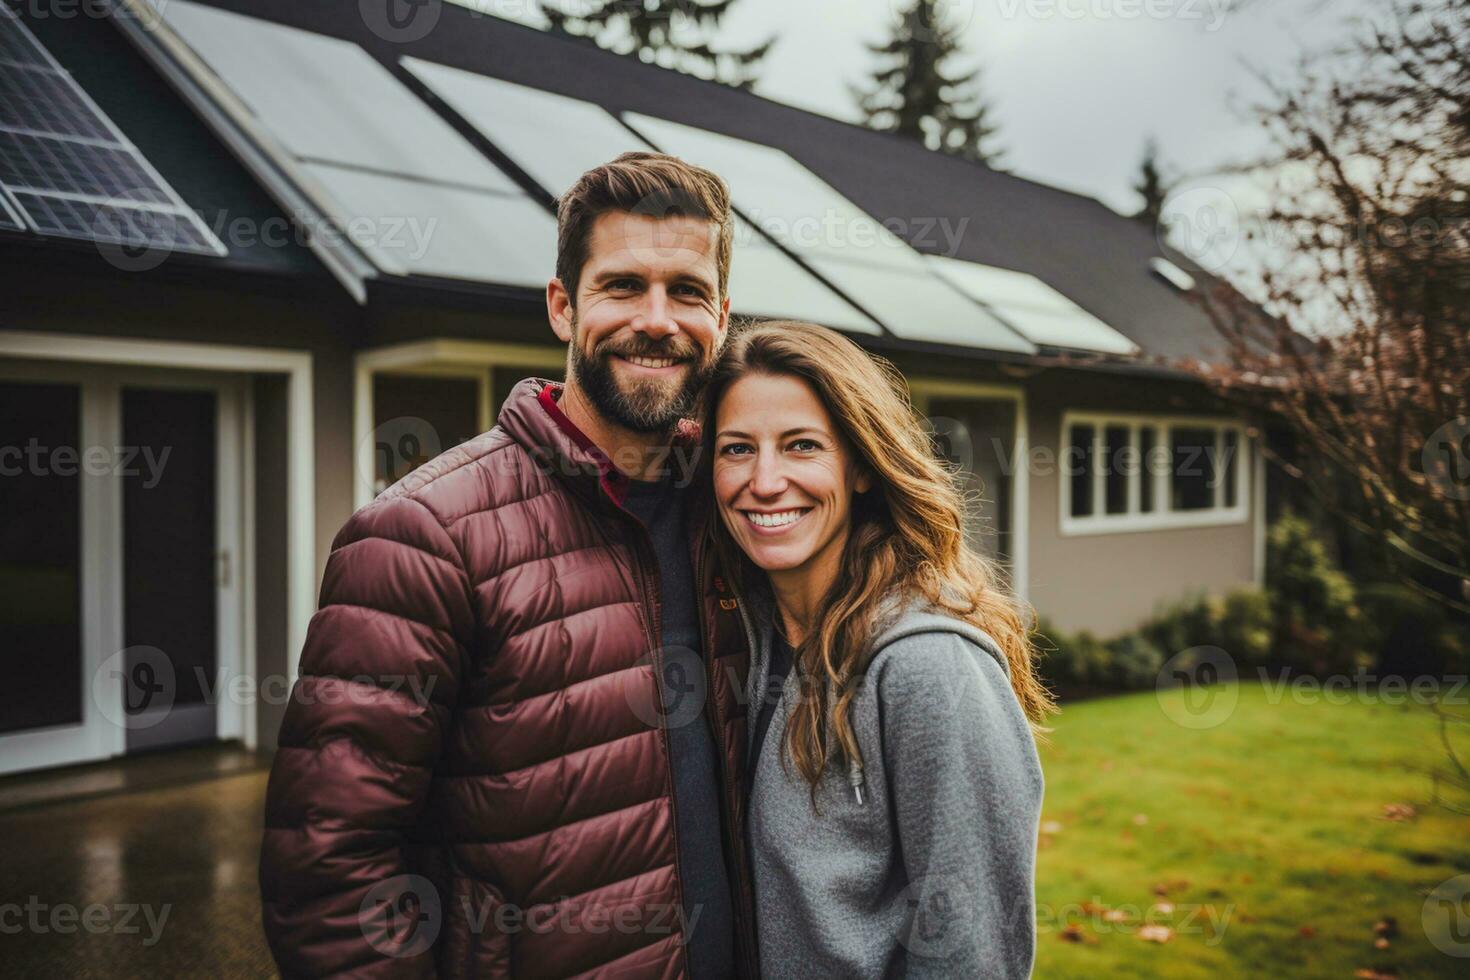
column 1266, row 832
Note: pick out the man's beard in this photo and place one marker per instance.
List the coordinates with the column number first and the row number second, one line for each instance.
column 648, row 406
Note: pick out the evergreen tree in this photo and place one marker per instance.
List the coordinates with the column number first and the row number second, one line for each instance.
column 914, row 93
column 671, row 33
column 1150, row 185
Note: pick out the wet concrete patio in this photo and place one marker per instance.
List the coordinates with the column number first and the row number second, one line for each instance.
column 141, row 868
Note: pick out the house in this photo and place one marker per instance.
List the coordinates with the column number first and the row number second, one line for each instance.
column 262, row 258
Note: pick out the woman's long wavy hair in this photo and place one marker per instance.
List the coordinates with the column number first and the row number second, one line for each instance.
column 907, row 535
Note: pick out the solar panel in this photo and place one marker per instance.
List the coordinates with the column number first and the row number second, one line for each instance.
column 43, row 100
column 47, row 163
column 555, row 139
column 1041, row 314
column 69, row 171
column 116, row 224
column 438, row 230
column 412, row 193
column 851, row 249
column 13, row 47
column 327, row 99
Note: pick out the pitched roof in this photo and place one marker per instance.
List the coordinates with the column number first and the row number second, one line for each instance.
column 941, row 205
column 1092, row 255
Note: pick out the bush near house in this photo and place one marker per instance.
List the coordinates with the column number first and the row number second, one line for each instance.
column 1310, row 619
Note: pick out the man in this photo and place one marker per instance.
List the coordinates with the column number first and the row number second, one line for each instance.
column 479, row 773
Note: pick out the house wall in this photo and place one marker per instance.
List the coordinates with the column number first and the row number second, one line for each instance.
column 1109, row 582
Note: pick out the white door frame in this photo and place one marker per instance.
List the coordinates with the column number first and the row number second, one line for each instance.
column 130, row 361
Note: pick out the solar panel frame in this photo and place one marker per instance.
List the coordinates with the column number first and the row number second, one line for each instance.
column 10, row 218
column 93, row 184
column 524, row 124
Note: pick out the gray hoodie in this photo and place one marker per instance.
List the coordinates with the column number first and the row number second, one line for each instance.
column 932, row 873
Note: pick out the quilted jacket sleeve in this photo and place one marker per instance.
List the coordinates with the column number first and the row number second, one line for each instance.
column 367, row 720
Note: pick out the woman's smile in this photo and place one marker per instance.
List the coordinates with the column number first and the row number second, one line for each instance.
column 775, row 522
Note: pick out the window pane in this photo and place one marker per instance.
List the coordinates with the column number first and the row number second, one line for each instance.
column 977, row 437
column 169, row 545
column 1079, row 465
column 1191, row 483
column 416, row 419
column 40, row 554
column 1117, row 465
column 1148, row 445
column 504, row 379
column 1232, row 451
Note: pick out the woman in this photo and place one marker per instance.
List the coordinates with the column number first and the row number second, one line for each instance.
column 894, row 788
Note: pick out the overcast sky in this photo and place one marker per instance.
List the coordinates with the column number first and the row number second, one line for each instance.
column 1077, row 85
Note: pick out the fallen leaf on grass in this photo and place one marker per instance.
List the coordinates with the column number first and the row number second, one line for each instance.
column 1399, row 811
column 1140, row 819
column 1163, row 908
column 1387, row 927
column 1051, row 827
column 1369, row 974
column 1306, row 932
column 1163, row 888
column 1075, row 934
column 1115, row 915
column 1155, row 933
column 1380, row 943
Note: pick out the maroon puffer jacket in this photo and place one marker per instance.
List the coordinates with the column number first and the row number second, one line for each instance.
column 472, row 779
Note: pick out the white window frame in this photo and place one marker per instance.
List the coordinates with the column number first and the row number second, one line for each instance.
column 1163, row 517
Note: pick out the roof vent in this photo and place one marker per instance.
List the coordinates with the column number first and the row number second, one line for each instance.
column 1172, row 274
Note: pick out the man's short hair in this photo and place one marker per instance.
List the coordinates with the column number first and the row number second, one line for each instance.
column 653, row 184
